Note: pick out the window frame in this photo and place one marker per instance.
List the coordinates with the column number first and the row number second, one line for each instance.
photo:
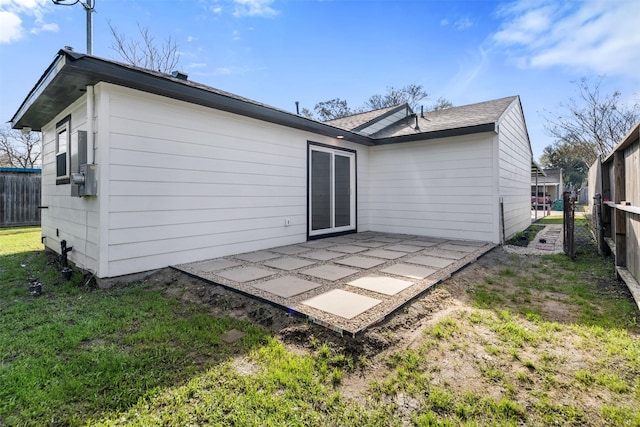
column 63, row 126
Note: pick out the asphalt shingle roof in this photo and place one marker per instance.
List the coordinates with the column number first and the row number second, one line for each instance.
column 450, row 118
column 356, row 120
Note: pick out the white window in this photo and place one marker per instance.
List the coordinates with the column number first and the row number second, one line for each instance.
column 63, row 150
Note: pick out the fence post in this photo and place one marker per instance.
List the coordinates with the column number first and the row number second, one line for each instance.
column 597, row 222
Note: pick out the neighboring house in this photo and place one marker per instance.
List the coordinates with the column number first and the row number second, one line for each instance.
column 546, row 186
column 19, row 196
column 185, row 172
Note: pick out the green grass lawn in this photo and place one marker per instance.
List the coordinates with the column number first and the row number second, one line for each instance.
column 133, row 356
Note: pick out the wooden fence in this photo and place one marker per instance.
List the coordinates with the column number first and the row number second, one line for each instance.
column 19, row 197
column 616, row 191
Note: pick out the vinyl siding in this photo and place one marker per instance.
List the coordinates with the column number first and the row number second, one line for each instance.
column 68, row 218
column 514, row 154
column 187, row 183
column 442, row 188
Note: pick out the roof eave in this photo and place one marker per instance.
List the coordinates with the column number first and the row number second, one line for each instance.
column 38, row 108
column 443, row 133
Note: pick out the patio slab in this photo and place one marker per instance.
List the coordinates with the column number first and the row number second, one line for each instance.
column 287, row 286
column 342, row 303
column 360, row 262
column 348, row 249
column 246, row 274
column 329, row 272
column 430, row 261
column 257, row 256
column 322, row 255
column 410, row 271
column 288, row 263
column 381, row 284
column 217, row 264
column 383, row 253
column 344, row 283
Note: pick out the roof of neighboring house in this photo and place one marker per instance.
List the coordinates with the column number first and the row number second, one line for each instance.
column 553, row 176
column 70, row 73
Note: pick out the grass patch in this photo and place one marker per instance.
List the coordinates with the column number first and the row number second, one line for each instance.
column 523, row 238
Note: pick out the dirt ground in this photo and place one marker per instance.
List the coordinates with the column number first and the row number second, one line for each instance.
column 457, row 368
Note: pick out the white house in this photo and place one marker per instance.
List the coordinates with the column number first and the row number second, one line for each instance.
column 185, row 172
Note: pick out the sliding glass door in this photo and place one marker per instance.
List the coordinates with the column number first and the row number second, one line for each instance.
column 332, row 194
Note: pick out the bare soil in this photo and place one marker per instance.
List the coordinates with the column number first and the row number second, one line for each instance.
column 460, row 366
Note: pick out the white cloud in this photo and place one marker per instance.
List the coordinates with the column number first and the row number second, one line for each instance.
column 13, row 14
column 254, row 8
column 463, row 24
column 599, row 36
column 10, row 27
column 444, row 22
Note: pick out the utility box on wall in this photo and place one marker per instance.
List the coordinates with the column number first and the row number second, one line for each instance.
column 86, row 180
column 84, row 177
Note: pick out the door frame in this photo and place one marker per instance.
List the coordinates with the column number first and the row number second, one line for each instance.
column 352, row 228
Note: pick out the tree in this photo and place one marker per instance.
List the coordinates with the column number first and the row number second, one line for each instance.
column 333, row 109
column 145, row 53
column 19, row 149
column 411, row 94
column 593, row 122
column 573, row 159
column 441, row 104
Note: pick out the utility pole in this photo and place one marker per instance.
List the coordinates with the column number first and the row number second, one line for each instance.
column 89, row 7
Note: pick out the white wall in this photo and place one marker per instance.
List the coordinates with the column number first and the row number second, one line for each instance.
column 68, row 218
column 441, row 188
column 187, row 183
column 514, row 170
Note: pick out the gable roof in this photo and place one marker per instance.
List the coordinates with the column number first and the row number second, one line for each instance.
column 357, row 121
column 66, row 79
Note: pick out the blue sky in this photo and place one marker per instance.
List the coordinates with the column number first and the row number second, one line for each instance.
column 281, row 51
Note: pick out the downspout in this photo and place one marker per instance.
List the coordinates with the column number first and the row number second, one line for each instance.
column 90, row 115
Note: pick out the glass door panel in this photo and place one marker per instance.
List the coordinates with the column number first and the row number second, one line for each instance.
column 331, row 190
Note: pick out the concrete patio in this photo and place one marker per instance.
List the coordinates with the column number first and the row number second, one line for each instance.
column 344, row 283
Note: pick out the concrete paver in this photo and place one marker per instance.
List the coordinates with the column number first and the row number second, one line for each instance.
column 410, row 271
column 348, row 249
column 329, row 272
column 322, row 255
column 345, row 283
column 444, row 253
column 404, row 248
column 290, row 250
column 360, row 262
column 458, row 248
column 217, row 264
column 288, row 263
column 257, row 256
column 246, row 274
column 381, row 284
column 430, row 261
column 287, row 286
column 385, row 254
column 342, row 303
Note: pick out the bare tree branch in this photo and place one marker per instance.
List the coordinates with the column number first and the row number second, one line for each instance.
column 145, row 52
column 595, row 122
column 18, row 149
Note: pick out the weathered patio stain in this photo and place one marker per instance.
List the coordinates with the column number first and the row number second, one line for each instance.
column 345, row 283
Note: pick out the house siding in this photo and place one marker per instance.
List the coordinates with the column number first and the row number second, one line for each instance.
column 64, row 217
column 187, row 182
column 514, row 159
column 441, row 188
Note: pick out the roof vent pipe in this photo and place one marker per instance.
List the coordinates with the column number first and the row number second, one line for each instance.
column 422, row 111
column 180, row 75
column 297, row 108
column 417, row 127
